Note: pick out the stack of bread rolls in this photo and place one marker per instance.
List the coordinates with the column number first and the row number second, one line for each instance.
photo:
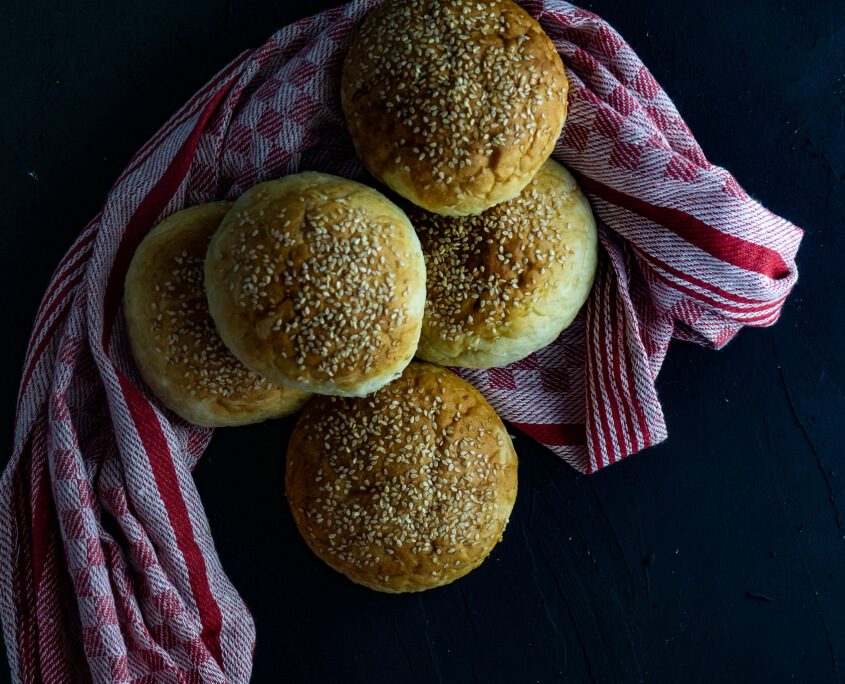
column 399, row 474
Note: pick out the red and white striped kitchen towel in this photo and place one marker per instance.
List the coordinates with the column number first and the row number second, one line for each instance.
column 108, row 569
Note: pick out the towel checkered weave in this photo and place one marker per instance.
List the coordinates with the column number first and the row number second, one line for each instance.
column 108, row 571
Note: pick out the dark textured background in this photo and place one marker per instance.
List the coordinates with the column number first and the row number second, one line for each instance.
column 717, row 556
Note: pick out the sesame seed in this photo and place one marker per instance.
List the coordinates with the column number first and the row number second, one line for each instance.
column 383, row 496
column 184, row 333
column 325, row 283
column 450, row 70
column 481, row 268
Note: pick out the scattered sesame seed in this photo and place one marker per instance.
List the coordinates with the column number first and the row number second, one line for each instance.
column 325, row 276
column 184, row 332
column 447, row 70
column 393, row 489
column 480, row 268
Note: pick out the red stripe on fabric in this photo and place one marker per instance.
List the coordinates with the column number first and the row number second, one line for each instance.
column 727, row 248
column 43, row 512
column 597, row 407
column 84, row 240
column 725, row 309
column 744, row 320
column 151, row 207
column 638, row 408
column 45, row 340
column 83, row 243
column 619, row 342
column 591, row 396
column 179, row 118
column 26, row 636
column 161, row 462
column 90, row 238
column 612, row 396
column 598, row 359
column 557, row 434
column 753, row 305
column 51, row 301
column 48, row 303
column 594, row 425
column 59, row 620
column 87, row 240
column 54, row 299
column 52, row 601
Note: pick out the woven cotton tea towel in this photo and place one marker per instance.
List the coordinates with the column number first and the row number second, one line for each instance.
column 108, row 571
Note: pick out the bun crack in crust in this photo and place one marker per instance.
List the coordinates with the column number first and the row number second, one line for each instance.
column 505, row 283
column 453, row 104
column 408, row 489
column 318, row 282
column 176, row 348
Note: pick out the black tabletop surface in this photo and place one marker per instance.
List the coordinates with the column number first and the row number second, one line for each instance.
column 717, row 556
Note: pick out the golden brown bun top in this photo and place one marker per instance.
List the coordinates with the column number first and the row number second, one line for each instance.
column 177, row 348
column 318, row 282
column 483, row 269
column 454, row 104
column 406, row 489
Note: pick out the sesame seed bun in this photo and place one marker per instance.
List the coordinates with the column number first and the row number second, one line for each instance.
column 318, row 283
column 505, row 283
column 406, row 490
column 454, row 105
column 176, row 348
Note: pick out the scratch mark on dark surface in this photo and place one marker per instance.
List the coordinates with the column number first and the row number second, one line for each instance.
column 533, row 489
column 630, row 627
column 549, row 617
column 572, row 617
column 471, row 621
column 778, row 493
column 612, row 530
column 531, row 502
column 757, row 596
column 610, row 587
column 820, row 613
column 782, row 505
column 527, row 524
column 612, row 592
column 435, row 663
column 831, row 495
column 648, row 560
column 534, row 577
column 405, row 650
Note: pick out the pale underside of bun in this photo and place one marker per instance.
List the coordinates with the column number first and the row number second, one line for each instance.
column 407, row 489
column 506, row 283
column 176, row 347
column 454, row 105
column 318, row 283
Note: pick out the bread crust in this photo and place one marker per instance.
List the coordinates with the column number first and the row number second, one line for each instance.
column 454, row 105
column 318, row 283
column 506, row 283
column 173, row 340
column 405, row 490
